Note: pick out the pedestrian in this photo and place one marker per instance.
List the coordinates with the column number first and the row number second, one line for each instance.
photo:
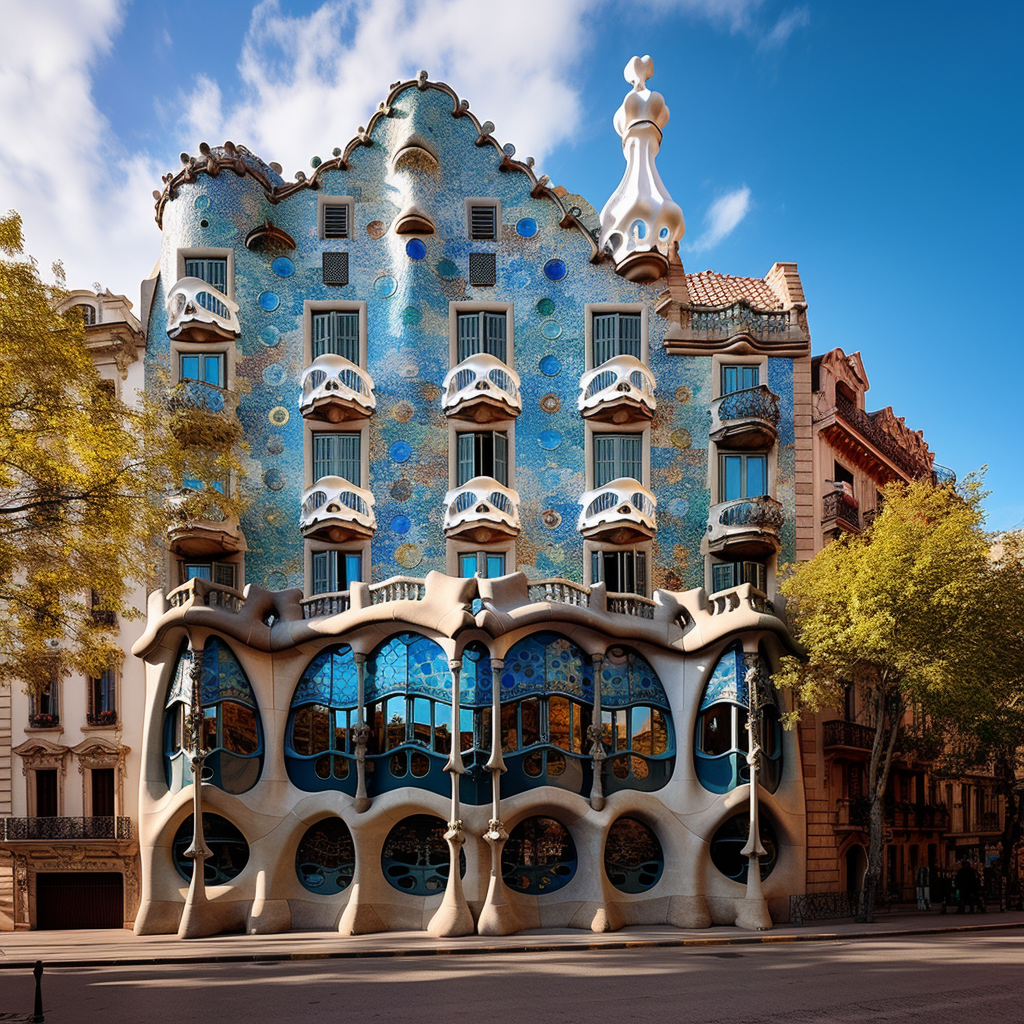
column 965, row 882
column 923, row 888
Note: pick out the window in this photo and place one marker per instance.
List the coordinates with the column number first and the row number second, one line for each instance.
column 617, row 455
column 46, row 793
column 334, row 571
column 336, row 332
column 215, row 273
column 739, row 378
column 102, row 708
column 88, row 313
column 482, row 454
column 336, row 218
column 338, row 455
column 742, row 476
column 622, row 572
column 482, row 332
column 615, row 334
column 222, row 573
column 485, row 564
column 726, row 575
column 207, row 367
column 483, row 221
column 44, row 707
column 101, row 784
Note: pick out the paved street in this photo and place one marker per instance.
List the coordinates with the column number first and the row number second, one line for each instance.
column 962, row 978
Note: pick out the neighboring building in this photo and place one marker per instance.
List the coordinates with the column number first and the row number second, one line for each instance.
column 70, row 757
column 497, row 445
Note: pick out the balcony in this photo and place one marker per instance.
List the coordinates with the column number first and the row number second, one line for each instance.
column 620, row 390
column 850, row 735
column 335, row 510
column 481, row 510
column 191, row 536
column 335, row 390
column 621, row 512
column 481, row 388
column 196, row 311
column 203, row 414
column 13, row 830
column 746, row 419
column 839, row 512
column 745, row 527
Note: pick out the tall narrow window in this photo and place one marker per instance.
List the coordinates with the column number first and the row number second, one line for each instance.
column 336, row 332
column 742, row 476
column 103, row 699
column 615, row 334
column 337, row 455
column 483, row 222
column 482, row 333
column 102, row 785
column 46, row 792
column 483, row 454
column 622, row 572
column 335, row 571
column 215, row 273
column 617, row 455
column 739, row 378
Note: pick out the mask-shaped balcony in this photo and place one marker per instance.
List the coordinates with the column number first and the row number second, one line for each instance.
column 481, row 510
column 621, row 512
column 620, row 390
column 335, row 510
column 745, row 527
column 746, row 419
column 189, row 536
column 482, row 388
column 335, row 390
column 203, row 414
column 196, row 311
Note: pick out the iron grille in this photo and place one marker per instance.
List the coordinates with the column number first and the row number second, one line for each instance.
column 483, row 222
column 336, row 220
column 483, row 268
column 335, row 268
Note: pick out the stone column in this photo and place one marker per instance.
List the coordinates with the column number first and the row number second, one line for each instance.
column 597, row 751
column 361, row 734
column 497, row 916
column 453, row 917
column 753, row 913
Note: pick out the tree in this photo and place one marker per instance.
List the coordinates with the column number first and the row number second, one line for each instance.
column 83, row 482
column 901, row 613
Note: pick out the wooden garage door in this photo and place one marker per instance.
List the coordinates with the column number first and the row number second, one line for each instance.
column 83, row 899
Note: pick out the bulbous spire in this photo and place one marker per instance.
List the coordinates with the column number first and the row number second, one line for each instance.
column 640, row 222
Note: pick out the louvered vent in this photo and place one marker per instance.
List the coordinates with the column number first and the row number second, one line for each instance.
column 335, row 268
column 483, row 222
column 483, row 268
column 336, row 220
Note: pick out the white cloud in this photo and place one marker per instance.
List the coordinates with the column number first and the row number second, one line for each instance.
column 799, row 17
column 722, row 218
column 737, row 16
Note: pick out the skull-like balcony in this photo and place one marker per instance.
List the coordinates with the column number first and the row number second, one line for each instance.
column 745, row 527
column 620, row 390
column 481, row 388
column 335, row 510
column 203, row 414
column 622, row 511
column 197, row 311
column 335, row 390
column 481, row 510
column 189, row 536
column 746, row 419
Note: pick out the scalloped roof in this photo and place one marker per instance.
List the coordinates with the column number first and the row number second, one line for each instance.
column 709, row 288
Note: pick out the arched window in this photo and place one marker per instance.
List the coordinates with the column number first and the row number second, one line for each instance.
column 325, row 859
column 231, row 728
column 229, row 852
column 415, row 857
column 633, row 860
column 87, row 312
column 539, row 856
column 722, row 741
column 729, row 840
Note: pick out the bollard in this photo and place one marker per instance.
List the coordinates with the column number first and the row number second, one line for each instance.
column 37, row 1013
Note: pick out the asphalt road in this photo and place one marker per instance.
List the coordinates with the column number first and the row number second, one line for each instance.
column 942, row 978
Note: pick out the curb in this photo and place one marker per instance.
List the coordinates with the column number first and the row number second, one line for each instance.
column 524, row 947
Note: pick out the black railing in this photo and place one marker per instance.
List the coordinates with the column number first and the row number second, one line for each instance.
column 835, row 505
column 848, row 734
column 868, row 429
column 15, row 829
column 738, row 317
column 750, row 403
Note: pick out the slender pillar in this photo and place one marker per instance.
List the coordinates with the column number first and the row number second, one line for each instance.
column 497, row 916
column 754, row 912
column 597, row 751
column 361, row 734
column 453, row 917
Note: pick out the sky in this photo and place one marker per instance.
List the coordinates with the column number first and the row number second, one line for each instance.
column 876, row 144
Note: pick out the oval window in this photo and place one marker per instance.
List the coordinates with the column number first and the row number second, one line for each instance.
column 539, row 856
column 633, row 859
column 325, row 860
column 415, row 856
column 728, row 842
column 229, row 852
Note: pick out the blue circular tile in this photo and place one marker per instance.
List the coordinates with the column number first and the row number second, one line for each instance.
column 554, row 270
column 400, row 451
column 411, row 316
column 550, row 366
column 415, row 249
column 549, row 440
column 270, row 336
column 273, row 479
column 283, row 267
column 202, row 202
column 551, row 329
column 447, row 269
column 273, row 374
column 268, row 301
column 385, row 286
column 526, row 227
column 401, row 524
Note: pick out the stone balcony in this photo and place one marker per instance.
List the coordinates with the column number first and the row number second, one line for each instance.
column 745, row 527
column 196, row 311
column 335, row 510
column 335, row 389
column 620, row 390
column 621, row 512
column 839, row 512
column 481, row 510
column 203, row 414
column 481, row 388
column 747, row 419
column 204, row 534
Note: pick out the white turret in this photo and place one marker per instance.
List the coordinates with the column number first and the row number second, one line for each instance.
column 640, row 223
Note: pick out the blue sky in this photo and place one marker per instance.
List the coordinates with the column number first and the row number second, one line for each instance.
column 878, row 145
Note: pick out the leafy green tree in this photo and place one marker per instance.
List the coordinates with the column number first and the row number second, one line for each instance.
column 84, row 479
column 902, row 613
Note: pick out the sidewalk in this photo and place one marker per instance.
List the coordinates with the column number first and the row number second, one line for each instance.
column 93, row 948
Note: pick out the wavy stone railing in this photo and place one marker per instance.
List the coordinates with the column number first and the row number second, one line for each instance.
column 326, row 604
column 739, row 597
column 334, row 380
column 20, row 829
column 194, row 305
column 208, row 594
column 737, row 317
column 398, row 588
column 560, row 591
column 481, row 377
column 623, row 501
column 631, row 604
column 621, row 381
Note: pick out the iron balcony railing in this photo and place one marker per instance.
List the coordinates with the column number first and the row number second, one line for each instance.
column 848, row 734
column 835, row 505
column 735, row 318
column 14, row 830
column 867, row 428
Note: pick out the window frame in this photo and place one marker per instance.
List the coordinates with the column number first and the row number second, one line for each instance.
column 596, row 429
column 202, row 355
column 321, row 204
column 719, row 362
column 312, row 549
column 209, row 253
column 484, row 201
column 590, row 309
column 312, row 306
column 114, row 689
column 456, row 548
column 457, row 308
column 456, row 433
column 593, row 549
column 744, row 456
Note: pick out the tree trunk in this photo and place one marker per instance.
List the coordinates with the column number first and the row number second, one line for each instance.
column 1013, row 822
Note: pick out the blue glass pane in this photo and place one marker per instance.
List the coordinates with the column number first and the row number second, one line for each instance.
column 415, row 249
column 330, row 679
column 223, row 677
column 726, row 682
column 627, row 678
column 475, row 683
column 550, row 366
column 268, row 301
column 283, row 267
column 405, row 663
column 526, row 227
column 547, row 662
column 554, row 270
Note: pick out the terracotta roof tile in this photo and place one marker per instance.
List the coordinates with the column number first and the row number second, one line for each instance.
column 712, row 289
